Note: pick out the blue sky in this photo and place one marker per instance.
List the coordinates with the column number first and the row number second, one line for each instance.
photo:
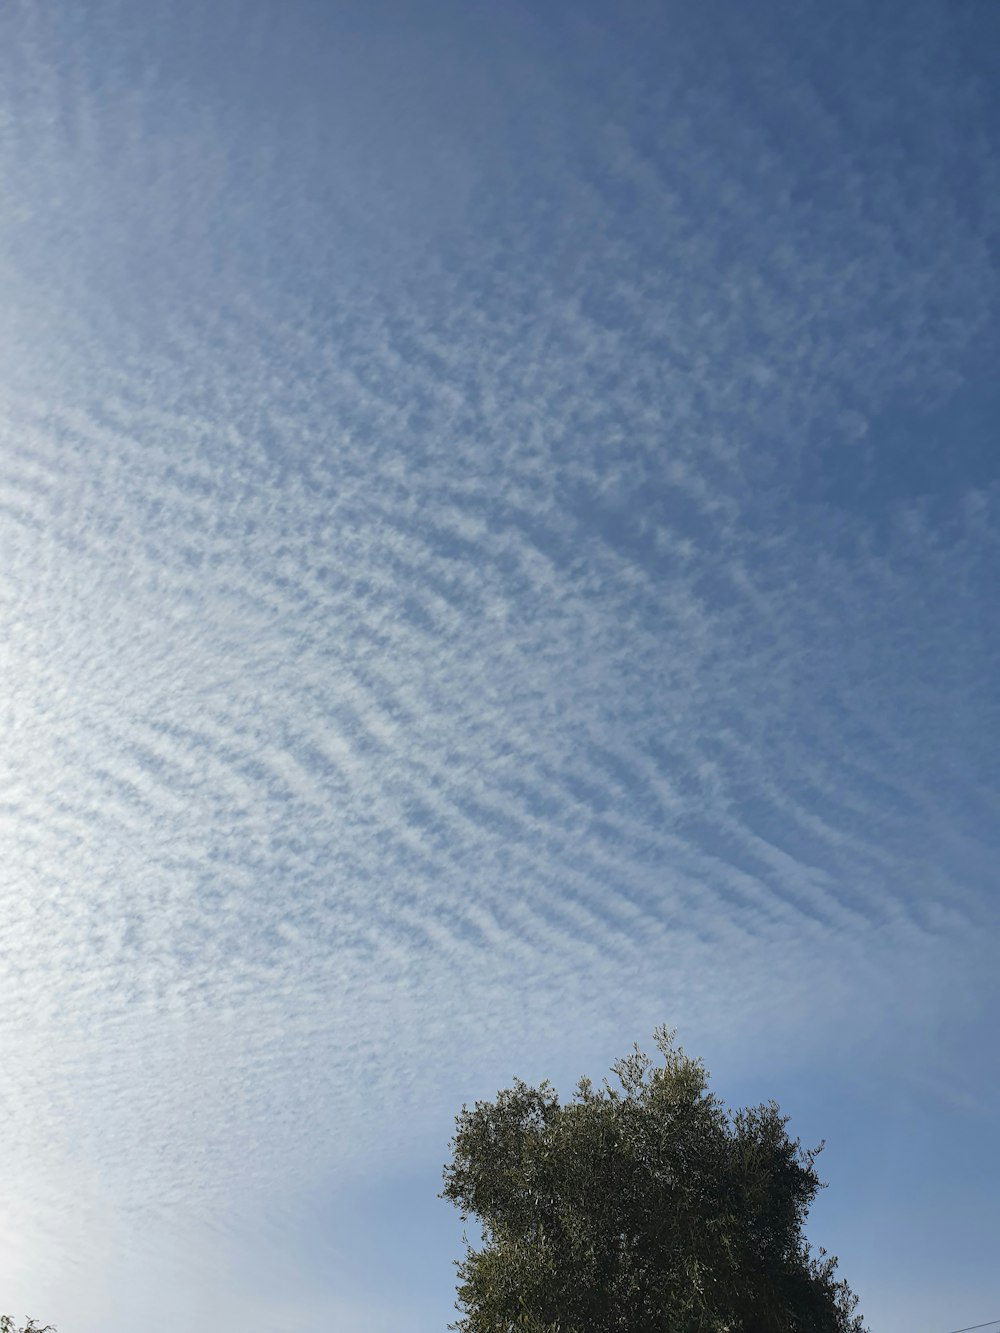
column 499, row 522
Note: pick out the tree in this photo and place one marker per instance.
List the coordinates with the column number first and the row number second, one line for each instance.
column 8, row 1325
column 646, row 1206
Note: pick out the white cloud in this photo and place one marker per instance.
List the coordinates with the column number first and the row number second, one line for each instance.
column 442, row 677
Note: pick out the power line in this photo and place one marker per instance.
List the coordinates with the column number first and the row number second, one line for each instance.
column 989, row 1324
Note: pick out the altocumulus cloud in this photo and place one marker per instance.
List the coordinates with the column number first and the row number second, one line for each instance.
column 455, row 604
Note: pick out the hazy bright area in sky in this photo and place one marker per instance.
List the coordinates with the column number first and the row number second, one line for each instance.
column 499, row 524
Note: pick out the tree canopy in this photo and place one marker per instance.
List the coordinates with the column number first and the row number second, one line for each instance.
column 638, row 1206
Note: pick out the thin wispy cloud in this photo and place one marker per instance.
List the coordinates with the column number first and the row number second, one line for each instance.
column 453, row 607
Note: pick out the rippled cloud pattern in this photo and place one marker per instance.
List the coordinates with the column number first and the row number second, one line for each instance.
column 498, row 533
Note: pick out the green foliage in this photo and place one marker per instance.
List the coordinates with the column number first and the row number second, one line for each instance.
column 8, row 1325
column 640, row 1207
